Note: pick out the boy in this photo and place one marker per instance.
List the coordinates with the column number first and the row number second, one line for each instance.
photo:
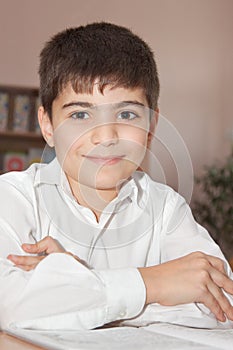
column 137, row 252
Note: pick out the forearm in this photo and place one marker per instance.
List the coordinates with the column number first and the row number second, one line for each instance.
column 62, row 293
column 195, row 278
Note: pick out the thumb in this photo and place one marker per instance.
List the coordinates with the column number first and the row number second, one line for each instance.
column 35, row 248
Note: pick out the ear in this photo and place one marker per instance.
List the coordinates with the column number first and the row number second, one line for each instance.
column 153, row 125
column 46, row 126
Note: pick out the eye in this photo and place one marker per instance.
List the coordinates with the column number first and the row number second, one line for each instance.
column 80, row 115
column 127, row 115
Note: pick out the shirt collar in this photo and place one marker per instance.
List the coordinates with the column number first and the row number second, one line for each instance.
column 52, row 174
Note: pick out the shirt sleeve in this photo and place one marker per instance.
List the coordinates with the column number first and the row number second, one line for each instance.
column 61, row 293
column 182, row 235
column 17, row 220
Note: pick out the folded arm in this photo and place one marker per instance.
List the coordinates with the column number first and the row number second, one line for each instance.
column 62, row 293
column 196, row 277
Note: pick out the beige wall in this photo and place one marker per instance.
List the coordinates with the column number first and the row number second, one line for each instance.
column 193, row 45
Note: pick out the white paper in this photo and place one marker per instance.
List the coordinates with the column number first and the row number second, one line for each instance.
column 119, row 338
column 219, row 338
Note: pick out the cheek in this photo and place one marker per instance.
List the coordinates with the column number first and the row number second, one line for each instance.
column 135, row 144
column 142, row 138
column 135, row 138
column 67, row 141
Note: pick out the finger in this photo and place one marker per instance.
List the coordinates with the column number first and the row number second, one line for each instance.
column 38, row 247
column 54, row 246
column 222, row 300
column 222, row 280
column 205, row 261
column 47, row 245
column 213, row 305
column 217, row 263
column 26, row 267
column 25, row 260
column 216, row 269
column 33, row 248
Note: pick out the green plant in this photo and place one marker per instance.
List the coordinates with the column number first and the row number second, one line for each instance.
column 214, row 207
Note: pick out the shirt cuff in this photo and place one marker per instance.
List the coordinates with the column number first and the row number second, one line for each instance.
column 125, row 292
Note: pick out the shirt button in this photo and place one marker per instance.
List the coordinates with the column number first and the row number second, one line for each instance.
column 122, row 313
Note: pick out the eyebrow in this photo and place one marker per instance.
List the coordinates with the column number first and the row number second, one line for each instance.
column 89, row 105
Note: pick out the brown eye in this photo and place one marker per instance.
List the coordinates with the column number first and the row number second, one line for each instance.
column 127, row 115
column 80, row 115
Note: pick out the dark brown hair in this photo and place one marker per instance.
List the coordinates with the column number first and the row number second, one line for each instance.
column 102, row 52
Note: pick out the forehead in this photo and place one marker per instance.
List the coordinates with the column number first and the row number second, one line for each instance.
column 109, row 95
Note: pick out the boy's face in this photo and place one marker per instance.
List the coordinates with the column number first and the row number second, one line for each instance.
column 100, row 139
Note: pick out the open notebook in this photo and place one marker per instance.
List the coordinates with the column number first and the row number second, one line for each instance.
column 154, row 337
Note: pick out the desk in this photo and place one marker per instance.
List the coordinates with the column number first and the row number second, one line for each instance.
column 7, row 342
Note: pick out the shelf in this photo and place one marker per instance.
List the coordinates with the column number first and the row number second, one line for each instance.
column 15, row 141
column 19, row 107
column 18, row 135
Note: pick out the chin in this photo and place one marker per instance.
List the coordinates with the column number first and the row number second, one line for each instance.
column 106, row 185
column 109, row 182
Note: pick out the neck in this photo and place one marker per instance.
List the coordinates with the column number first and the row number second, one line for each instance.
column 92, row 198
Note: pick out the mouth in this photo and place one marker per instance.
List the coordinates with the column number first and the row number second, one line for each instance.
column 109, row 160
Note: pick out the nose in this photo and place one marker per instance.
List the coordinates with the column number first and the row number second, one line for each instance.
column 105, row 135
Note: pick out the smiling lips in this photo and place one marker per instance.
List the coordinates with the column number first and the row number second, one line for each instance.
column 109, row 160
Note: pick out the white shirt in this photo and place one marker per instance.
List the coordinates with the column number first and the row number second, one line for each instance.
column 147, row 224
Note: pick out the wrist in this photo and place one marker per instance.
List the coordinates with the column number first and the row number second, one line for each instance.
column 149, row 278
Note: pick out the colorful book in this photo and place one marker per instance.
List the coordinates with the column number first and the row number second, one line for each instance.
column 4, row 110
column 14, row 161
column 21, row 113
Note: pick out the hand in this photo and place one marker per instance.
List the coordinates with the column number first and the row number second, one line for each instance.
column 196, row 277
column 44, row 247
